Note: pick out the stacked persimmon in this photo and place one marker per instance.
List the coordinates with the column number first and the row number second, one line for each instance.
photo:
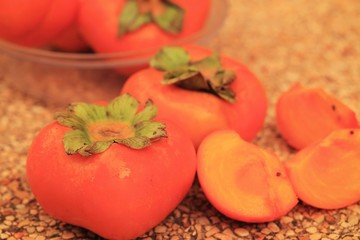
column 104, row 26
column 41, row 22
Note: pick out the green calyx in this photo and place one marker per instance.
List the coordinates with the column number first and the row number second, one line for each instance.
column 96, row 127
column 165, row 14
column 204, row 75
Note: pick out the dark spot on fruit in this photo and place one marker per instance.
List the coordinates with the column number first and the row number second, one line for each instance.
column 278, row 174
column 333, row 107
column 351, row 132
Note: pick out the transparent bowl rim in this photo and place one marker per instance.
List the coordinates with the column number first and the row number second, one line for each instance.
column 215, row 20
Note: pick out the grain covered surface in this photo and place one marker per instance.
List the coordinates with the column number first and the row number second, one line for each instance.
column 316, row 43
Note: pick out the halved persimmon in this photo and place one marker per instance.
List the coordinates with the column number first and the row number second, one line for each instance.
column 242, row 180
column 304, row 115
column 326, row 174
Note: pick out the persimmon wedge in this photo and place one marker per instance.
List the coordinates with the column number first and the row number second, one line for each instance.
column 305, row 115
column 242, row 180
column 326, row 174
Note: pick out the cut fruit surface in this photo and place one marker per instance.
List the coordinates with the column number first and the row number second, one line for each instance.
column 326, row 174
column 305, row 115
column 242, row 180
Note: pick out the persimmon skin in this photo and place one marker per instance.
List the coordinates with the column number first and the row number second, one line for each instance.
column 71, row 40
column 118, row 194
column 326, row 174
column 243, row 181
column 305, row 115
column 18, row 17
column 104, row 15
column 59, row 16
column 201, row 113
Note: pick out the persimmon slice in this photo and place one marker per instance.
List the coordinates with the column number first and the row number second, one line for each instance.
column 242, row 180
column 326, row 174
column 305, row 115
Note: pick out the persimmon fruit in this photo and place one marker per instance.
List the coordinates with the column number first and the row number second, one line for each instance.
column 111, row 169
column 326, row 174
column 70, row 40
column 107, row 36
column 305, row 115
column 200, row 112
column 59, row 16
column 39, row 23
column 242, row 180
column 19, row 17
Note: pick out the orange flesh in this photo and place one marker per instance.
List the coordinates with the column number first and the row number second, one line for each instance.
column 243, row 181
column 248, row 172
column 306, row 115
column 326, row 174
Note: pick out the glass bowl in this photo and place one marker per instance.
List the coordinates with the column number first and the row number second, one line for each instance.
column 58, row 78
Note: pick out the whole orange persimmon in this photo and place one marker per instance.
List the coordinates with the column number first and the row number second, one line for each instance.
column 18, row 17
column 71, row 40
column 111, row 169
column 37, row 22
column 130, row 25
column 202, row 91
